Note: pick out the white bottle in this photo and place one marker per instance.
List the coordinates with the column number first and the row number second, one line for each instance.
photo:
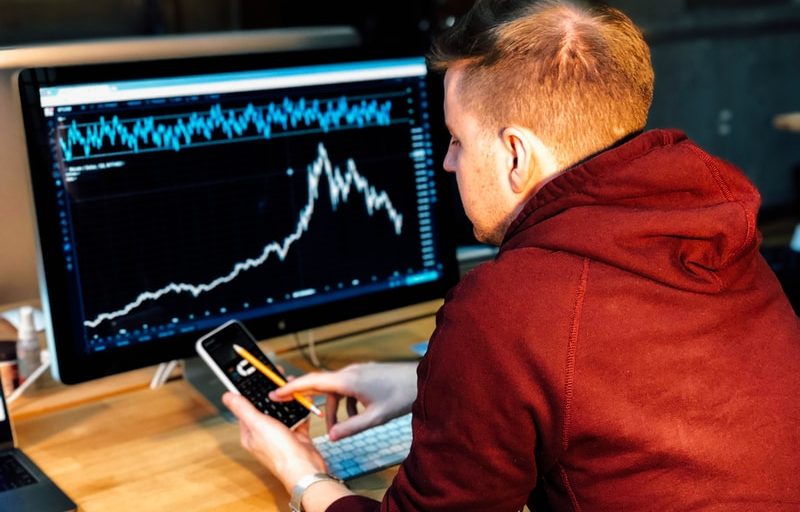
column 28, row 350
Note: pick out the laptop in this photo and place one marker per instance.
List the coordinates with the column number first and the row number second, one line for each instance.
column 23, row 486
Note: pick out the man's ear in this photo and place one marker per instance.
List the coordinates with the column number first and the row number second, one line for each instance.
column 530, row 162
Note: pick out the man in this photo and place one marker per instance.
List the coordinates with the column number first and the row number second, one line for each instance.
column 628, row 348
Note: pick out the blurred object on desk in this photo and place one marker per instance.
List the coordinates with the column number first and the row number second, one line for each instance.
column 9, row 376
column 12, row 317
column 789, row 121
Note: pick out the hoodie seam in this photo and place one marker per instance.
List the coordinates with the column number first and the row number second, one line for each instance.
column 569, row 379
column 726, row 191
column 569, row 373
column 576, row 507
column 712, row 167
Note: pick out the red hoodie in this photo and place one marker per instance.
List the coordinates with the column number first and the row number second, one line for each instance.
column 628, row 350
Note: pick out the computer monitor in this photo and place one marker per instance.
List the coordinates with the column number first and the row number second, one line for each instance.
column 288, row 190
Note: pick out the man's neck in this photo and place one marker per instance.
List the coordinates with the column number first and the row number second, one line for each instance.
column 615, row 144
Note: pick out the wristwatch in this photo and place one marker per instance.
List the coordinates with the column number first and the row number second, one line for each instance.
column 302, row 486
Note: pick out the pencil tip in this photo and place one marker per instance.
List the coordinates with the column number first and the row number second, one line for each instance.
column 236, row 347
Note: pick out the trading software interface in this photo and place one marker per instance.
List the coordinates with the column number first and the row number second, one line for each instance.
column 185, row 200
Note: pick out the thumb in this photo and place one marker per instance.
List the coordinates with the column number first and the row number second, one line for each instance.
column 352, row 425
column 241, row 407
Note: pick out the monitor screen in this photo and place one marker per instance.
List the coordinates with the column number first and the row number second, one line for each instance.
column 284, row 190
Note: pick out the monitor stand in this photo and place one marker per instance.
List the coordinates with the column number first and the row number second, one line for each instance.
column 198, row 374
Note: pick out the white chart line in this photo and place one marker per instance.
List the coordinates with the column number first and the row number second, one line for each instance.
column 340, row 185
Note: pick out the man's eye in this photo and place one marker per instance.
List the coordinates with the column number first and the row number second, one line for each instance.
column 454, row 141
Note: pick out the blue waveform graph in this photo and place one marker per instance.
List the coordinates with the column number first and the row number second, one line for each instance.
column 341, row 184
column 118, row 136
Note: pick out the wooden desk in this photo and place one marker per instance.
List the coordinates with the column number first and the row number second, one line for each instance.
column 167, row 449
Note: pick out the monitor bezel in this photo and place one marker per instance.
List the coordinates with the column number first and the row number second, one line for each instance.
column 73, row 365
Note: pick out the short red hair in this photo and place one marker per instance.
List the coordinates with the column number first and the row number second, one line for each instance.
column 579, row 77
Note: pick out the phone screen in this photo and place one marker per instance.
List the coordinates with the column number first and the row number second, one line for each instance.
column 243, row 376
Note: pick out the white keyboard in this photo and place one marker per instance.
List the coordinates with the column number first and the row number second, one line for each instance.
column 371, row 450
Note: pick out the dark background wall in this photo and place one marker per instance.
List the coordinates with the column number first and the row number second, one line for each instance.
column 724, row 70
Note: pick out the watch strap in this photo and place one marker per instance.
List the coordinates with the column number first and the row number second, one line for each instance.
column 302, row 486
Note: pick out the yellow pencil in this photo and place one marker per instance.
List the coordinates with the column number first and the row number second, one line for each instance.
column 274, row 377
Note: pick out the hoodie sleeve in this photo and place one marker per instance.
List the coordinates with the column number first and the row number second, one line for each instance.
column 354, row 504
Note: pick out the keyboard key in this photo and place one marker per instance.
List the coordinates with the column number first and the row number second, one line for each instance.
column 13, row 474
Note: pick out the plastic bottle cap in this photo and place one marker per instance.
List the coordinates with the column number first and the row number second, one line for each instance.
column 27, row 328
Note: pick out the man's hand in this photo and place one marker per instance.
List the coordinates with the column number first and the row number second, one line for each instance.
column 386, row 390
column 288, row 454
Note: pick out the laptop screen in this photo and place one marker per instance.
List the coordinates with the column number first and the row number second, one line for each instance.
column 6, row 437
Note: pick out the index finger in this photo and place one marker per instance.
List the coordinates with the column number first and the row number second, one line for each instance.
column 313, row 383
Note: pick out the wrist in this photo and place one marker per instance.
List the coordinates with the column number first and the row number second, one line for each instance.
column 316, row 491
column 291, row 474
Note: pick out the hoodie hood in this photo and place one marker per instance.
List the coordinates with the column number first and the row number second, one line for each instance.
column 656, row 205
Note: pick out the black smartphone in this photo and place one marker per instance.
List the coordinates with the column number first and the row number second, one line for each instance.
column 239, row 376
